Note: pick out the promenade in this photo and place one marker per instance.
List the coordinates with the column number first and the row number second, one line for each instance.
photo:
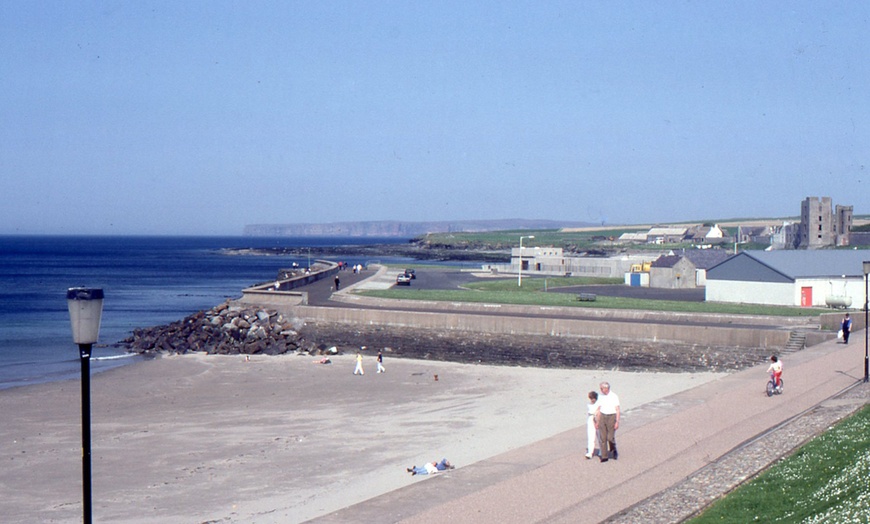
column 662, row 445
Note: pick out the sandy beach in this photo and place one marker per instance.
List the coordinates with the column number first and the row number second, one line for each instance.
column 278, row 439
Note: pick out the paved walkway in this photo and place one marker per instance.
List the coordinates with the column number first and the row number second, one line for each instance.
column 660, row 445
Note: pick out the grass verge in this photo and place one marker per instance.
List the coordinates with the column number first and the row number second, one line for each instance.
column 827, row 480
column 532, row 293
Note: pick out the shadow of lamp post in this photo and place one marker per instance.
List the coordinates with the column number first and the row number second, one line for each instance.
column 85, row 309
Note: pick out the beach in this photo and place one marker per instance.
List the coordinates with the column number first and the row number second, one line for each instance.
column 199, row 438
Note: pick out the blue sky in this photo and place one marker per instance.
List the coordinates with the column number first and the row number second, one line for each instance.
column 198, row 117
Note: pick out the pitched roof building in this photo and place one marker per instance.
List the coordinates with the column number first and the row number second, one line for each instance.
column 790, row 278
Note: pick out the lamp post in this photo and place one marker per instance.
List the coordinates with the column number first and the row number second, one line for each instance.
column 520, row 272
column 866, row 324
column 85, row 308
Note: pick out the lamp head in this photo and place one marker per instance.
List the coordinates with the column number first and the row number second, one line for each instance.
column 867, row 267
column 85, row 309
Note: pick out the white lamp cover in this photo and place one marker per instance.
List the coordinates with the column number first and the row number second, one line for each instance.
column 867, row 267
column 85, row 310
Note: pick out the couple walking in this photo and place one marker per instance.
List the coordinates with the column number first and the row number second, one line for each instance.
column 602, row 419
column 358, row 370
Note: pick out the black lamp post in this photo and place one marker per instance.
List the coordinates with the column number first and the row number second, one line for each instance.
column 85, row 310
column 866, row 324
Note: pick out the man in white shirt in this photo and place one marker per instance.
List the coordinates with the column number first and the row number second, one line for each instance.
column 607, row 421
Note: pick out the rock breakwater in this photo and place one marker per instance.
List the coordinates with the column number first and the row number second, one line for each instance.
column 224, row 329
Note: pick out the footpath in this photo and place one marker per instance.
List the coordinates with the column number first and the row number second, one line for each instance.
column 679, row 445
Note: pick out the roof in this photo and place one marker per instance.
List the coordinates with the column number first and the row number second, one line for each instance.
column 707, row 258
column 789, row 265
column 655, row 231
column 633, row 236
column 666, row 261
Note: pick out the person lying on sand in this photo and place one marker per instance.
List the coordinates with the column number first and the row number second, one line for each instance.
column 430, row 467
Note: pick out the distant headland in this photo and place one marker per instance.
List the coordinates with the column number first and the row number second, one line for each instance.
column 395, row 228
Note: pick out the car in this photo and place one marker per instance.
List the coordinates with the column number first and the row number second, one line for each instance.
column 410, row 273
column 403, row 280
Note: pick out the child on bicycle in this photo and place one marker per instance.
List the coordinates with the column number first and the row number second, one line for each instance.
column 775, row 370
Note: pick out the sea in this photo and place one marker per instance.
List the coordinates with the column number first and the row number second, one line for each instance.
column 147, row 281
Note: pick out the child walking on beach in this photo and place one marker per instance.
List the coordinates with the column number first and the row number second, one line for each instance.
column 358, row 370
column 381, row 368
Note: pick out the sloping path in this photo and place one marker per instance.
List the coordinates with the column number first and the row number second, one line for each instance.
column 660, row 445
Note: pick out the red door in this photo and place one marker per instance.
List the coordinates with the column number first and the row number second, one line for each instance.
column 806, row 297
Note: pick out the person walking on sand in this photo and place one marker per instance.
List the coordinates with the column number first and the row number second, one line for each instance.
column 846, row 326
column 381, row 368
column 607, row 421
column 358, row 370
column 591, row 432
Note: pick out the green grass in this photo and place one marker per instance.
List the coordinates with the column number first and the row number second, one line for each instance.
column 509, row 239
column 827, row 480
column 506, row 291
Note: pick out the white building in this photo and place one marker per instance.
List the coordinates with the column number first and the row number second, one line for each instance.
column 807, row 278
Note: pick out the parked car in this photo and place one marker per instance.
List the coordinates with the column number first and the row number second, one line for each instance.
column 410, row 273
column 403, row 280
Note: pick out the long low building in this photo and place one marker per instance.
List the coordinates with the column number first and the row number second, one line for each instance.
column 809, row 278
column 552, row 261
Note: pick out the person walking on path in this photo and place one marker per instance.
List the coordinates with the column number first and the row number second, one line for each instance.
column 591, row 432
column 846, row 326
column 381, row 368
column 358, row 370
column 337, row 282
column 607, row 421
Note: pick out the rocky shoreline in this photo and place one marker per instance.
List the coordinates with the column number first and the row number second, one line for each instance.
column 231, row 328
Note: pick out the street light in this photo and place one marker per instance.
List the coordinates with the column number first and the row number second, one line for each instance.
column 866, row 324
column 520, row 273
column 85, row 308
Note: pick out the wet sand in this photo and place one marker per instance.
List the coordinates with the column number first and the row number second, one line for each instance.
column 278, row 439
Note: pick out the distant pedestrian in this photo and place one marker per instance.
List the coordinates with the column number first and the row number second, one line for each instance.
column 607, row 421
column 337, row 282
column 381, row 363
column 846, row 326
column 591, row 432
column 358, row 370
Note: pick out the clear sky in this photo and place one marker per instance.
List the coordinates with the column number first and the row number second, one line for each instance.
column 198, row 117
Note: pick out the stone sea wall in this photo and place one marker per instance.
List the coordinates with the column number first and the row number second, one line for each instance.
column 231, row 328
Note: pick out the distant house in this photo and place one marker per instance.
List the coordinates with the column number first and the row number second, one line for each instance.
column 666, row 235
column 633, row 237
column 754, row 234
column 672, row 272
column 685, row 270
column 706, row 234
column 790, row 278
column 784, row 236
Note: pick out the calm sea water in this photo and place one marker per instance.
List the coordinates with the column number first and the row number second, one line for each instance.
column 147, row 281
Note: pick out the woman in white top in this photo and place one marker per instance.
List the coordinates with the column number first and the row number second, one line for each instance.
column 591, row 432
